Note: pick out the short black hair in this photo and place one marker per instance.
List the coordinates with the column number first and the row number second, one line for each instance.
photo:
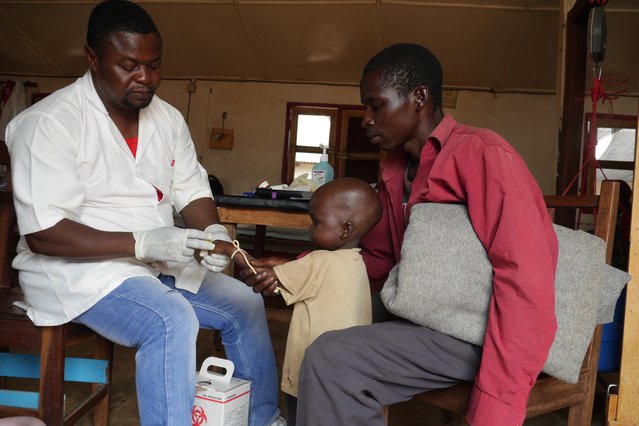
column 113, row 16
column 406, row 66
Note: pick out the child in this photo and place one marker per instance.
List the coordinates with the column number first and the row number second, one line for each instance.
column 329, row 286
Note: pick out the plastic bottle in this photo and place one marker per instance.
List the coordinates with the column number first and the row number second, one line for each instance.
column 322, row 172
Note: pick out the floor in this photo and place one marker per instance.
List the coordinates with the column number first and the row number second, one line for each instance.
column 123, row 411
column 124, row 406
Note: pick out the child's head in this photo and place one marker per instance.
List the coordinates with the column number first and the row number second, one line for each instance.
column 342, row 211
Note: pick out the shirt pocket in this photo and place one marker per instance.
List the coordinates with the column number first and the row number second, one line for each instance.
column 159, row 175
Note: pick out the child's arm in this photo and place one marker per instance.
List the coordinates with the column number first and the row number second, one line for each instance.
column 237, row 255
column 270, row 261
column 265, row 281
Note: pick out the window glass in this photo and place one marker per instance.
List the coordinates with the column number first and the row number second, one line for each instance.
column 616, row 144
column 304, row 163
column 312, row 131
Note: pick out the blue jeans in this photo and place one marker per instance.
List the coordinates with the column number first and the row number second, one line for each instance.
column 162, row 322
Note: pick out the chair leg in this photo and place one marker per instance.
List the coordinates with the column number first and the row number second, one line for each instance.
column 51, row 401
column 103, row 350
column 2, row 378
column 577, row 415
column 581, row 415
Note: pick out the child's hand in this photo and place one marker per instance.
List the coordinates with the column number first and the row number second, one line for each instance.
column 262, row 262
column 222, row 247
column 265, row 281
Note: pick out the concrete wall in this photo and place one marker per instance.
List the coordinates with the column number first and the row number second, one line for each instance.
column 256, row 113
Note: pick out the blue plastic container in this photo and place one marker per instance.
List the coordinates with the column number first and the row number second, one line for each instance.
column 611, row 339
column 322, row 172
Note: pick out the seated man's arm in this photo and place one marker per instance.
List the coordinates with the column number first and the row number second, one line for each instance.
column 378, row 249
column 509, row 215
column 240, row 257
column 200, row 213
column 75, row 240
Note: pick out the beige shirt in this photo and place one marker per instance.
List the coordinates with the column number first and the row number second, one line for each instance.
column 330, row 291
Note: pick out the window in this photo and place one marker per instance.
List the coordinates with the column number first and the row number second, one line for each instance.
column 615, row 150
column 615, row 153
column 336, row 126
column 310, row 127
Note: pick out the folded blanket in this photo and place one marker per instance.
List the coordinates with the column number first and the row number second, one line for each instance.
column 440, row 244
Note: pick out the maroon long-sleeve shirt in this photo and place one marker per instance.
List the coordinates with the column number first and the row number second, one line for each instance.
column 462, row 164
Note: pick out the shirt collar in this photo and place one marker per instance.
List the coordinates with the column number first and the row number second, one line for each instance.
column 443, row 130
column 87, row 84
column 396, row 160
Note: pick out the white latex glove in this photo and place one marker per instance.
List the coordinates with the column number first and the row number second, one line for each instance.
column 170, row 244
column 216, row 262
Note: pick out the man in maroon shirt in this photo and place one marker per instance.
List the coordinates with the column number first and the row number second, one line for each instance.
column 349, row 375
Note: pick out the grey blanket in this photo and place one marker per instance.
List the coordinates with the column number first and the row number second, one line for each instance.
column 440, row 244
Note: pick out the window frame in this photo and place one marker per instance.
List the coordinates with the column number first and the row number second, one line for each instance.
column 604, row 120
column 293, row 110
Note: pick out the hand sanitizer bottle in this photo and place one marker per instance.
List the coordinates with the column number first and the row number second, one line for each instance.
column 322, row 172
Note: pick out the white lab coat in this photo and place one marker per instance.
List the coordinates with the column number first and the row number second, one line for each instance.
column 70, row 161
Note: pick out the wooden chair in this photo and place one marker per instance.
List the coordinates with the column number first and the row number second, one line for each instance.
column 50, row 366
column 550, row 394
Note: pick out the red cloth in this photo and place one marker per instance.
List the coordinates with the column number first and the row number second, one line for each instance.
column 133, row 146
column 478, row 168
column 7, row 88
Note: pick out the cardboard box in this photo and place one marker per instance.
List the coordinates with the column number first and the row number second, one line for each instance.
column 220, row 399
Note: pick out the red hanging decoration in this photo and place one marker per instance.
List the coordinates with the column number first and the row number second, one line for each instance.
column 597, row 93
column 5, row 93
column 599, row 2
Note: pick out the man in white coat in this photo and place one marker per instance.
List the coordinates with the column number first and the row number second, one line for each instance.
column 98, row 167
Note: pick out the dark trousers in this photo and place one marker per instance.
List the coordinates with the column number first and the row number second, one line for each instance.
column 379, row 311
column 291, row 410
column 348, row 375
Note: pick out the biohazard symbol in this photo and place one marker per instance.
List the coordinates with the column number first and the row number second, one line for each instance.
column 198, row 416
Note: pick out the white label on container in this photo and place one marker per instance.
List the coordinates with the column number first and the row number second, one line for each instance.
column 319, row 176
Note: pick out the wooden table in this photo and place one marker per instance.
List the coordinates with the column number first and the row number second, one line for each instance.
column 261, row 213
column 235, row 210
